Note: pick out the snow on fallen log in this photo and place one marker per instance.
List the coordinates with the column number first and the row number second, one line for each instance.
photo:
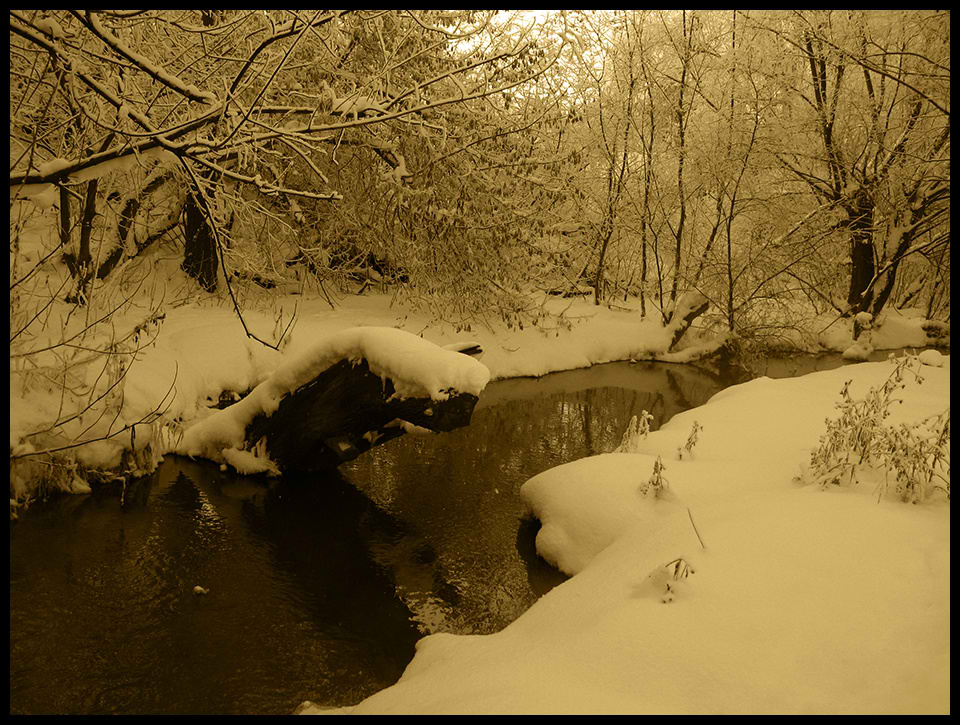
column 351, row 391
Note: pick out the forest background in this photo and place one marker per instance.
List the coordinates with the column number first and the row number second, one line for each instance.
column 750, row 170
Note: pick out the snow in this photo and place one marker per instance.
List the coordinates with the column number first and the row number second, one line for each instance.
column 124, row 163
column 357, row 105
column 50, row 26
column 51, row 167
column 932, row 358
column 46, row 194
column 891, row 330
column 860, row 350
column 802, row 601
column 43, row 195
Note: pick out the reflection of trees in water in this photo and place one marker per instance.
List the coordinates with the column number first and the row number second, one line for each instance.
column 602, row 415
column 419, row 576
column 457, row 494
column 690, row 391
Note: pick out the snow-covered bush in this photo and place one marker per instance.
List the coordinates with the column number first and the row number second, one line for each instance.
column 919, row 456
column 656, row 483
column 666, row 578
column 859, row 444
column 938, row 333
column 636, row 431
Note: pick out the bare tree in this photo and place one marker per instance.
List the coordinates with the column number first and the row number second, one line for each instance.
column 876, row 85
column 218, row 134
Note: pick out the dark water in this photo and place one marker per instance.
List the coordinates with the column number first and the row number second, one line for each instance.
column 319, row 586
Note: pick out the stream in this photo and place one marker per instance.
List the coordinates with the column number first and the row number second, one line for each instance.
column 319, row 585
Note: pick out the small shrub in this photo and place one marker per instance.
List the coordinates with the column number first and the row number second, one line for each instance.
column 656, row 483
column 668, row 575
column 919, row 458
column 917, row 455
column 691, row 440
column 637, row 431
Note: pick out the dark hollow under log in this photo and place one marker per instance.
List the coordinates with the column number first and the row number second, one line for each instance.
column 344, row 412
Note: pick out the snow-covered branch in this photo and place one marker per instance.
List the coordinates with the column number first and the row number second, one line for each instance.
column 265, row 187
column 158, row 73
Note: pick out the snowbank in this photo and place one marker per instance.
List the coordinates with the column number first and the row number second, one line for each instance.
column 802, row 601
column 893, row 329
column 416, row 367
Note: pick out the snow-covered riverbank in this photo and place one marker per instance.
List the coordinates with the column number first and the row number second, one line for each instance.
column 784, row 598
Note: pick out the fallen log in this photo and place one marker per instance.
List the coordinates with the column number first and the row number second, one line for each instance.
column 349, row 392
column 344, row 412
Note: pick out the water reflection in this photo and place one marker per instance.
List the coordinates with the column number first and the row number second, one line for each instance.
column 320, row 585
column 459, row 491
column 104, row 620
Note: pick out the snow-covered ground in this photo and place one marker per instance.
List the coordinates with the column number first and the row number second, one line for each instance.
column 798, row 600
column 784, row 598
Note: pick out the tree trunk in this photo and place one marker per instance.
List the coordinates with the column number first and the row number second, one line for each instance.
column 80, row 267
column 682, row 151
column 200, row 247
column 862, row 266
column 605, row 234
column 689, row 307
